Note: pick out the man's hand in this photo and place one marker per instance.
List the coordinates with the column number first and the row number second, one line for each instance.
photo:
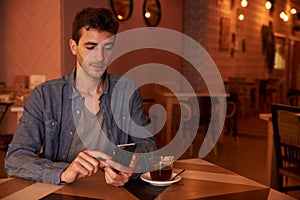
column 85, row 164
column 119, row 179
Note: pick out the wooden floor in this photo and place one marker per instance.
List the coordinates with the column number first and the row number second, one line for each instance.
column 247, row 154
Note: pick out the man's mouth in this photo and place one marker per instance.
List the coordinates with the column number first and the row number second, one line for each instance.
column 98, row 65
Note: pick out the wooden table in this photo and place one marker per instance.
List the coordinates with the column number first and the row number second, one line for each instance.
column 272, row 179
column 18, row 109
column 201, row 180
column 169, row 99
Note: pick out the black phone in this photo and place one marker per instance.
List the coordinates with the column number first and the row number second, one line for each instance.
column 123, row 153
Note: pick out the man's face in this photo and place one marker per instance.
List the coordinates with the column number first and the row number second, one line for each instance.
column 93, row 51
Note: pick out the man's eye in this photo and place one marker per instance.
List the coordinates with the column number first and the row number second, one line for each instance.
column 108, row 47
column 90, row 47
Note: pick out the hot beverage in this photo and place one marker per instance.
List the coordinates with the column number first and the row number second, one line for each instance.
column 163, row 174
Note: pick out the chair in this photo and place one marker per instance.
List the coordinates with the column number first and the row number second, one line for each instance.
column 293, row 97
column 2, row 85
column 286, row 126
column 189, row 116
column 237, row 85
column 5, row 139
column 231, row 118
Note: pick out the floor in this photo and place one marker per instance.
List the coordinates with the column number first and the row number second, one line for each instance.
column 246, row 155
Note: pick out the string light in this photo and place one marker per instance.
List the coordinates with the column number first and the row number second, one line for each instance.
column 284, row 16
column 244, row 3
column 293, row 11
column 268, row 5
column 241, row 17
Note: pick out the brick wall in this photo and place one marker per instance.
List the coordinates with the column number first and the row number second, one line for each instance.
column 202, row 23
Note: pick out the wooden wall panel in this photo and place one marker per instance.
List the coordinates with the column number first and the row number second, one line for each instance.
column 32, row 43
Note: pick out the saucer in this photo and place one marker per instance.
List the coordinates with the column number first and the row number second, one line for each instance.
column 147, row 178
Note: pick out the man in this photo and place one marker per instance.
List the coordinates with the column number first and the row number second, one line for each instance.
column 71, row 125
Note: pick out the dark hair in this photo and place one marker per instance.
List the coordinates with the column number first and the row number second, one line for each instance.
column 100, row 19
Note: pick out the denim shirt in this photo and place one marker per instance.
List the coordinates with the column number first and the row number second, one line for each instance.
column 49, row 122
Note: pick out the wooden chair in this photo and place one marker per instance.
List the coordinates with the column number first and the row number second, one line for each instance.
column 286, row 126
column 5, row 139
column 190, row 114
column 293, row 96
column 231, row 115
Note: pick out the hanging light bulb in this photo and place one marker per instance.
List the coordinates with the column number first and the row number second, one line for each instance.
column 268, row 5
column 241, row 17
column 244, row 3
column 293, row 11
column 282, row 15
column 147, row 15
column 120, row 17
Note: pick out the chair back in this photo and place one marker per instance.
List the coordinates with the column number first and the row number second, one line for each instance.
column 293, row 97
column 5, row 139
column 3, row 109
column 286, row 126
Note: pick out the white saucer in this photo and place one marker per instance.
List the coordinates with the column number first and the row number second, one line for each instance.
column 147, row 178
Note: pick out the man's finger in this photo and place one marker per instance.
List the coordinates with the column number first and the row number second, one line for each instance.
column 98, row 155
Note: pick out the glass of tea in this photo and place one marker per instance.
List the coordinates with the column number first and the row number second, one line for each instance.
column 161, row 168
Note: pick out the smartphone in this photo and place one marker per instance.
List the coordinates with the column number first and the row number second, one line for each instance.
column 123, row 153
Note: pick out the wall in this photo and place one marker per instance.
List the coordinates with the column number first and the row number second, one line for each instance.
column 36, row 34
column 202, row 23
column 30, row 39
column 171, row 18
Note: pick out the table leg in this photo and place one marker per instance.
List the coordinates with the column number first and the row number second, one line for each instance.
column 169, row 106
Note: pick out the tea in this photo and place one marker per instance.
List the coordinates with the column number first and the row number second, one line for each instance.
column 163, row 174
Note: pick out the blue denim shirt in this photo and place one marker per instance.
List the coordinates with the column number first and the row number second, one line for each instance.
column 49, row 123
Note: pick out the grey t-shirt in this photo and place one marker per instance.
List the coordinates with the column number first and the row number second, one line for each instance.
column 90, row 134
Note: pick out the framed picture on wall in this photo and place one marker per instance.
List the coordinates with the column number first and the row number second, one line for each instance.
column 224, row 41
column 280, row 52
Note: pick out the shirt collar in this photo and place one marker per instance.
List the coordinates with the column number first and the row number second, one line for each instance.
column 106, row 83
column 73, row 93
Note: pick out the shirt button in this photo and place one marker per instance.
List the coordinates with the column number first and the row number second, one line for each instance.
column 124, row 118
column 52, row 123
column 78, row 112
column 64, row 156
column 71, row 133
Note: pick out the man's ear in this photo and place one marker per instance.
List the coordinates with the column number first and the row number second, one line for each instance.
column 73, row 46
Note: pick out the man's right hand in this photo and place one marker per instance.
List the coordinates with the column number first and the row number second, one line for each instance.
column 85, row 164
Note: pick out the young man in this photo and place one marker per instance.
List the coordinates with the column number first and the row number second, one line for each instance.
column 71, row 125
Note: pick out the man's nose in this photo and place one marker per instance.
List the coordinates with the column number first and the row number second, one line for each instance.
column 99, row 53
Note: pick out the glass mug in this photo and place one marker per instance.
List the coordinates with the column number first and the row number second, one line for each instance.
column 161, row 168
